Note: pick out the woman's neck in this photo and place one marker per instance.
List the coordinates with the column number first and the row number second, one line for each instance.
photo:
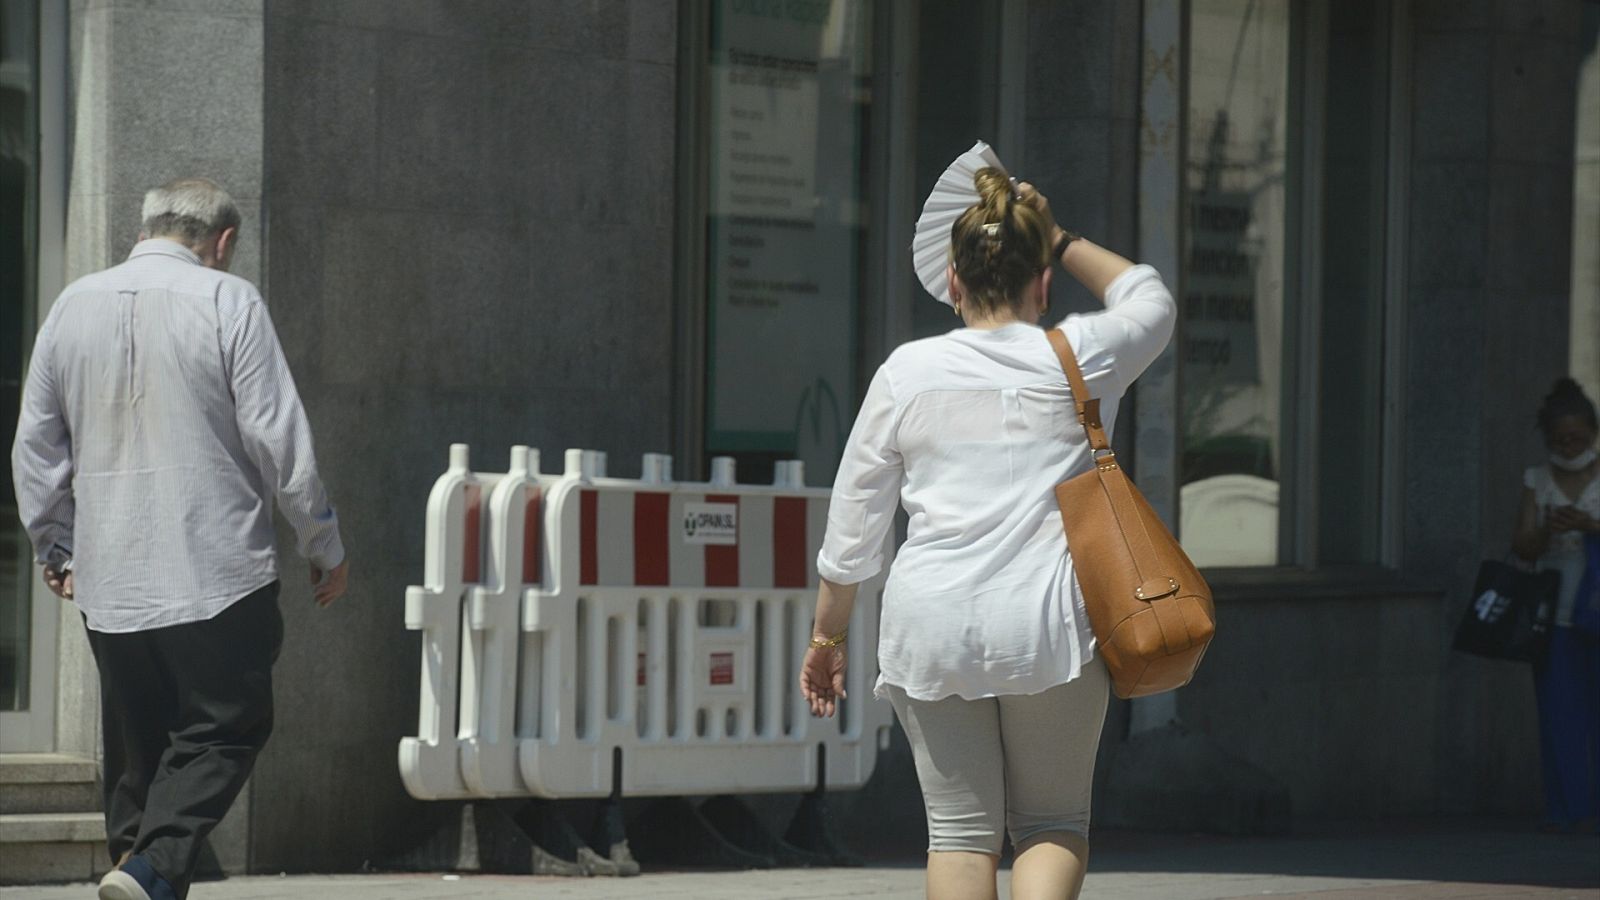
column 1575, row 478
column 1000, row 318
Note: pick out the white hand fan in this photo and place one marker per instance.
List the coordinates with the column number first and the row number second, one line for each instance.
column 952, row 196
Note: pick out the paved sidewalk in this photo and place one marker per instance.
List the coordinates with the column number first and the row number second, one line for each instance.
column 1416, row 861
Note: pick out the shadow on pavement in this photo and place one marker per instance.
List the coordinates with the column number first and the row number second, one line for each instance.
column 1451, row 850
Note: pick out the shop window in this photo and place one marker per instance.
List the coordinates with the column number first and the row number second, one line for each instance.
column 1284, row 290
column 787, row 98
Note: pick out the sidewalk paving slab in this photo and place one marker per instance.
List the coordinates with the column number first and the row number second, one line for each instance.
column 1448, row 860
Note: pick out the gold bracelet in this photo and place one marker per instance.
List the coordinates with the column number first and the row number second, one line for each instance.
column 824, row 643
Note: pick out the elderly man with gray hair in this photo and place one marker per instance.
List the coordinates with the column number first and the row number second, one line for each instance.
column 159, row 427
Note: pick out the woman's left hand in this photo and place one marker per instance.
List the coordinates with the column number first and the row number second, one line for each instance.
column 1030, row 195
column 1570, row 518
column 822, row 679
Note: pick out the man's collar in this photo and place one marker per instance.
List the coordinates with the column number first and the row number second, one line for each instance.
column 164, row 247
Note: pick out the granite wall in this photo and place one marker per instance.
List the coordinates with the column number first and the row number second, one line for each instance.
column 470, row 209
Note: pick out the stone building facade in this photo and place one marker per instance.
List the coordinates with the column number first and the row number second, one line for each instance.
column 503, row 221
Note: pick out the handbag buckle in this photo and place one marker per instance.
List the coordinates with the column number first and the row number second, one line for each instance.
column 1172, row 588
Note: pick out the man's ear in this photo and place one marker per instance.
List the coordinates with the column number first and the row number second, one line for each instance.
column 222, row 250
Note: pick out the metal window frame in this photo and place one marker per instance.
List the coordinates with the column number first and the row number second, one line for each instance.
column 1391, row 477
column 1298, row 406
column 1300, row 531
column 1012, row 84
column 887, row 324
column 688, row 245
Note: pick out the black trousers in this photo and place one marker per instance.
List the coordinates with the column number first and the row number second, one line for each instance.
column 184, row 711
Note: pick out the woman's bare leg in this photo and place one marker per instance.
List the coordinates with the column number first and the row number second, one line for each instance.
column 961, row 875
column 1049, row 866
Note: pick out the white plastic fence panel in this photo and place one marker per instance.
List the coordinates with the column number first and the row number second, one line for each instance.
column 666, row 621
column 430, row 762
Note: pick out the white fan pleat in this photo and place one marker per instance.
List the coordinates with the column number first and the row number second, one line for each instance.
column 953, row 194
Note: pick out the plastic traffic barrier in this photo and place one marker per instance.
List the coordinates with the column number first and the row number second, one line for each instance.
column 588, row 636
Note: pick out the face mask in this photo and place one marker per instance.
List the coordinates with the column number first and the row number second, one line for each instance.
column 1573, row 464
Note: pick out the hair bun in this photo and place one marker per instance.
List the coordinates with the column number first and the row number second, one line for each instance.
column 998, row 244
column 994, row 188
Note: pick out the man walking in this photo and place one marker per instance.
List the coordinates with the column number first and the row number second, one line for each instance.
column 159, row 424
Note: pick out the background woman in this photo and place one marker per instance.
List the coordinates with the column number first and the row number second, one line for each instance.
column 1561, row 504
column 985, row 648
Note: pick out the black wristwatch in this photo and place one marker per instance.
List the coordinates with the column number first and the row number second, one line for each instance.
column 1067, row 237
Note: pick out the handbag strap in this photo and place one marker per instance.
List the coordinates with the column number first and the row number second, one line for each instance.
column 1119, row 490
column 1088, row 406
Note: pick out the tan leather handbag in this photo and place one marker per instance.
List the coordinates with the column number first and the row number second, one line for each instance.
column 1150, row 610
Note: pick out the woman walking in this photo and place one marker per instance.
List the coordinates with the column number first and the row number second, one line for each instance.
column 985, row 649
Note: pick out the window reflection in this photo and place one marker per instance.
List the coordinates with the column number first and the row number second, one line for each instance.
column 1231, row 355
column 788, row 99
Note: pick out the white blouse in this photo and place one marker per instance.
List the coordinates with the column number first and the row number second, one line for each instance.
column 1565, row 551
column 971, row 431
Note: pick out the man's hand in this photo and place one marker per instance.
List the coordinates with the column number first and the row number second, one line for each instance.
column 59, row 582
column 329, row 586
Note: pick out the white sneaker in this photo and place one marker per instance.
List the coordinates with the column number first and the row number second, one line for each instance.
column 119, row 885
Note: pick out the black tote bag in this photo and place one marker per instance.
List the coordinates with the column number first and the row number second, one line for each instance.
column 1509, row 615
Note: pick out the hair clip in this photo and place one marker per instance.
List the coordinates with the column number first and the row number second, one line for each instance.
column 992, row 229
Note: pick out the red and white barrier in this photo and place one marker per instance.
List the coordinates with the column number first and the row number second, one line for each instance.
column 655, row 623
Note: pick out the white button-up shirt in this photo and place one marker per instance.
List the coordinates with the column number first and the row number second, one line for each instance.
column 159, row 423
column 972, row 431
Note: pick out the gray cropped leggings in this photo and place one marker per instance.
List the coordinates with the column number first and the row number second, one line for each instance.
column 1020, row 762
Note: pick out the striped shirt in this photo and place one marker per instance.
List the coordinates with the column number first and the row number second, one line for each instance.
column 159, row 424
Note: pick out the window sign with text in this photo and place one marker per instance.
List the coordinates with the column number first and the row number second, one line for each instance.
column 787, row 100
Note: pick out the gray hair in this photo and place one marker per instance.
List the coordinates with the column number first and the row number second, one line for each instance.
column 191, row 209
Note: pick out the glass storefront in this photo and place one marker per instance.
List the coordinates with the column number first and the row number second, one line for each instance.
column 786, row 221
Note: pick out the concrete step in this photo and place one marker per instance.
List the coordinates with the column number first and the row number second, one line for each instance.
column 42, row 847
column 47, row 783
